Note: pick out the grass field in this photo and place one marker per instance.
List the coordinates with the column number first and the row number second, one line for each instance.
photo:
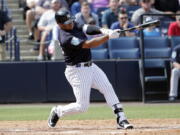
column 95, row 112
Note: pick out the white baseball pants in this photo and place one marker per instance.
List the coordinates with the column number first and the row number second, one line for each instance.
column 175, row 75
column 82, row 79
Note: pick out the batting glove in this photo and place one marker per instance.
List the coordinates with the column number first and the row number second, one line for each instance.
column 114, row 34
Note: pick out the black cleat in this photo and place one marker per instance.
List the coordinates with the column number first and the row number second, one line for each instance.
column 172, row 98
column 53, row 118
column 124, row 125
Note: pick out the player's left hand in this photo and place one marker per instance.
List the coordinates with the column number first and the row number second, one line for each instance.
column 114, row 34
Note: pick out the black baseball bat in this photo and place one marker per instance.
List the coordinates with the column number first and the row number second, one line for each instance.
column 142, row 26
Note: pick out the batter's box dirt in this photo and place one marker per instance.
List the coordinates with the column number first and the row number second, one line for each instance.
column 91, row 127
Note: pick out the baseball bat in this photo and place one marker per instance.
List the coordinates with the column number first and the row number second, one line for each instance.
column 142, row 26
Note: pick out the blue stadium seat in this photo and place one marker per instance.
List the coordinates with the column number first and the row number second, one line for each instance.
column 124, row 47
column 175, row 40
column 156, row 50
column 157, row 47
column 125, row 53
column 99, row 54
column 156, row 64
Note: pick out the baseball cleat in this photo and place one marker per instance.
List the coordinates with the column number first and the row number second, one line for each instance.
column 124, row 125
column 53, row 117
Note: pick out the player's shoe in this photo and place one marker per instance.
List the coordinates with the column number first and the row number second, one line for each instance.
column 124, row 124
column 53, row 117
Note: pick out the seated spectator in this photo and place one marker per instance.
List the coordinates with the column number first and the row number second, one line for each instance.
column 174, row 27
column 110, row 15
column 123, row 23
column 128, row 2
column 5, row 27
column 85, row 15
column 32, row 18
column 99, row 4
column 152, row 31
column 146, row 8
column 45, row 25
column 76, row 7
column 175, row 74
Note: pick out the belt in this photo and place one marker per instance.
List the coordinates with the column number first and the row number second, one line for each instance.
column 83, row 64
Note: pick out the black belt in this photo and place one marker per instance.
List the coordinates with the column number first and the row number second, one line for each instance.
column 83, row 64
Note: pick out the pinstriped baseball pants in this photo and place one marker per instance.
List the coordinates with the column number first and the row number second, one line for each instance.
column 175, row 75
column 82, row 79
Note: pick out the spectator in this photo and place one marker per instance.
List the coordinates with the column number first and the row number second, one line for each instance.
column 86, row 15
column 166, row 5
column 45, row 25
column 146, row 8
column 128, row 2
column 99, row 4
column 123, row 23
column 5, row 27
column 37, row 8
column 174, row 27
column 175, row 74
column 76, row 7
column 152, row 31
column 110, row 15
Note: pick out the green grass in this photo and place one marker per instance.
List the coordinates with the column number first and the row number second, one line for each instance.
column 101, row 111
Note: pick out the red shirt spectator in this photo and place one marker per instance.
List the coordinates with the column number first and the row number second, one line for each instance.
column 174, row 29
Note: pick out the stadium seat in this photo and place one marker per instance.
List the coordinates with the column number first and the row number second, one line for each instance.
column 126, row 53
column 124, row 47
column 157, row 47
column 156, row 64
column 99, row 54
column 156, row 81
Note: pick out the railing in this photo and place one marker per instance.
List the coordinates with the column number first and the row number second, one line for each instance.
column 12, row 45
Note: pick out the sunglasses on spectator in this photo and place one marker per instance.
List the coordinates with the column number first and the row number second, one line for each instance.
column 123, row 18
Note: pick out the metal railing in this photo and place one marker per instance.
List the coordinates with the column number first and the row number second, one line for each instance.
column 13, row 45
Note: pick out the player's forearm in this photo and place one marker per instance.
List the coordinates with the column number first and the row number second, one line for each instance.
column 95, row 42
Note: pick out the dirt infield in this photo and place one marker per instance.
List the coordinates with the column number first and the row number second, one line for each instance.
column 91, row 127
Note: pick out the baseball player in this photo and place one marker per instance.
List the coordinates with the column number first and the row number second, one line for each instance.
column 175, row 74
column 81, row 72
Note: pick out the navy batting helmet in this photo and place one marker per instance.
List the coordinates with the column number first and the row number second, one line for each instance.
column 64, row 17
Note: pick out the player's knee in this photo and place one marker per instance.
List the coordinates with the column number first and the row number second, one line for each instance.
column 83, row 107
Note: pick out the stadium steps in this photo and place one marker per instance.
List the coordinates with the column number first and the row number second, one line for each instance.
column 26, row 46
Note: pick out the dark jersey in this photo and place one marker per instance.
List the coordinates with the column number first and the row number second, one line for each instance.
column 71, row 42
column 4, row 19
column 176, row 54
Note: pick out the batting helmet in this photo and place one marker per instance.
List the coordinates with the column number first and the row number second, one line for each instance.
column 64, row 17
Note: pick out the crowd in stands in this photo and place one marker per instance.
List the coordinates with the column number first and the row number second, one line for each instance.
column 112, row 14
